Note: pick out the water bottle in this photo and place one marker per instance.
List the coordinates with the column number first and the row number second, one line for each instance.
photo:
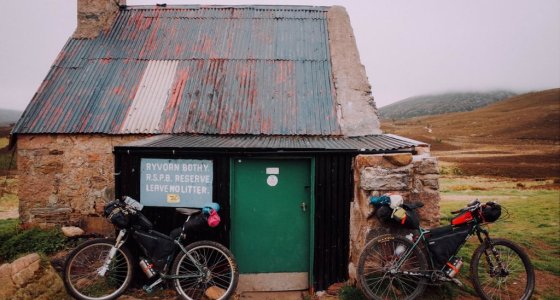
column 453, row 267
column 133, row 203
column 399, row 250
column 147, row 268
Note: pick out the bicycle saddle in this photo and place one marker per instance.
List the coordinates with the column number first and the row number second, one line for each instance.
column 187, row 211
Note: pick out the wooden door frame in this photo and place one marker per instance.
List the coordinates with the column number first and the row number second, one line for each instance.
column 311, row 160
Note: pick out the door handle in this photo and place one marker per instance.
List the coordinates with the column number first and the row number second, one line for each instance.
column 303, row 206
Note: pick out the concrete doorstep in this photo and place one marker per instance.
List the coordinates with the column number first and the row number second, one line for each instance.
column 287, row 295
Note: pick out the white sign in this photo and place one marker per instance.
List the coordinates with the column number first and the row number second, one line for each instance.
column 176, row 182
column 272, row 171
column 272, row 180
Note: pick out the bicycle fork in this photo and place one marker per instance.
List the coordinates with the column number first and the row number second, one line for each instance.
column 493, row 252
column 101, row 272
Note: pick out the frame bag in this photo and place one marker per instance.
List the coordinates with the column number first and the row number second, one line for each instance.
column 444, row 242
column 157, row 246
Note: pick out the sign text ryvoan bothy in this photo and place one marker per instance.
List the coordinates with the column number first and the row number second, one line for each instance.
column 175, row 182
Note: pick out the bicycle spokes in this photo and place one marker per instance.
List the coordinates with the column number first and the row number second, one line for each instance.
column 388, row 269
column 503, row 276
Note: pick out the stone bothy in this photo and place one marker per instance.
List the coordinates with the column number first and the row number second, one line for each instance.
column 262, row 109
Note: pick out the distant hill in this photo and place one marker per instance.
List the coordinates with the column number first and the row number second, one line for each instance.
column 516, row 137
column 440, row 104
column 8, row 116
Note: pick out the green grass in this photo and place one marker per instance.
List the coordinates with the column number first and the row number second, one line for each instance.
column 8, row 228
column 530, row 218
column 15, row 243
column 7, row 161
column 348, row 292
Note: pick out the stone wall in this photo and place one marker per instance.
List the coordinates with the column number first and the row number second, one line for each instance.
column 353, row 91
column 415, row 177
column 66, row 179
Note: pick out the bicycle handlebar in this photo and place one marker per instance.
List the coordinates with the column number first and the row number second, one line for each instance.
column 470, row 207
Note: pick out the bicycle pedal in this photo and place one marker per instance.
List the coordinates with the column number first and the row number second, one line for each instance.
column 457, row 282
column 148, row 289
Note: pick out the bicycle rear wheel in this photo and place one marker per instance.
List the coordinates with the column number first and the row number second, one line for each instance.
column 209, row 269
column 514, row 279
column 378, row 275
column 81, row 277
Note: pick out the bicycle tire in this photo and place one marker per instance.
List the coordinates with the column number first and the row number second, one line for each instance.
column 374, row 276
column 80, row 271
column 221, row 274
column 489, row 285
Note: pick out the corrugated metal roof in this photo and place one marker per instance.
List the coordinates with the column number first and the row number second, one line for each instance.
column 193, row 69
column 373, row 143
column 152, row 94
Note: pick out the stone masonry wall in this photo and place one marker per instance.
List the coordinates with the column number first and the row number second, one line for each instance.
column 415, row 177
column 66, row 179
column 95, row 16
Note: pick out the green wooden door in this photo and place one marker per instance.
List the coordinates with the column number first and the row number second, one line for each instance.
column 270, row 209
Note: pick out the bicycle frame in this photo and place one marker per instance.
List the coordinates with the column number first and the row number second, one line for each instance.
column 422, row 238
column 164, row 276
column 120, row 241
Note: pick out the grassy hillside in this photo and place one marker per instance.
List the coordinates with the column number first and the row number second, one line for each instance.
column 7, row 160
column 517, row 137
column 440, row 104
column 9, row 117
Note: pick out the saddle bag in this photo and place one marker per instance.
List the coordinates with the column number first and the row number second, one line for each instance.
column 444, row 242
column 155, row 245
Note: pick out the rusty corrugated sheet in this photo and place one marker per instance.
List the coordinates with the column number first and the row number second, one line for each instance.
column 239, row 70
column 374, row 143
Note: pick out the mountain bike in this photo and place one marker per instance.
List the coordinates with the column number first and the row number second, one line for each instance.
column 400, row 267
column 103, row 268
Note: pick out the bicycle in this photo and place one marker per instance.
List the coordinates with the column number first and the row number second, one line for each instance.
column 103, row 268
column 397, row 267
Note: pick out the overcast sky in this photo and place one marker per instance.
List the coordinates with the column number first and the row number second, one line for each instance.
column 409, row 48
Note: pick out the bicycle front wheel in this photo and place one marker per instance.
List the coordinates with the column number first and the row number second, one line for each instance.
column 208, row 270
column 502, row 272
column 81, row 271
column 386, row 272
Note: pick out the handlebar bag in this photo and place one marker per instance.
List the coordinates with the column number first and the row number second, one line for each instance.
column 155, row 245
column 116, row 214
column 491, row 212
column 444, row 242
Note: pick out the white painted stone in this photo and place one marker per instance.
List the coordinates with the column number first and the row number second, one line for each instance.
column 72, row 231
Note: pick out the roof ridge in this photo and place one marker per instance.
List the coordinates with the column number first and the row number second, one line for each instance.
column 197, row 6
